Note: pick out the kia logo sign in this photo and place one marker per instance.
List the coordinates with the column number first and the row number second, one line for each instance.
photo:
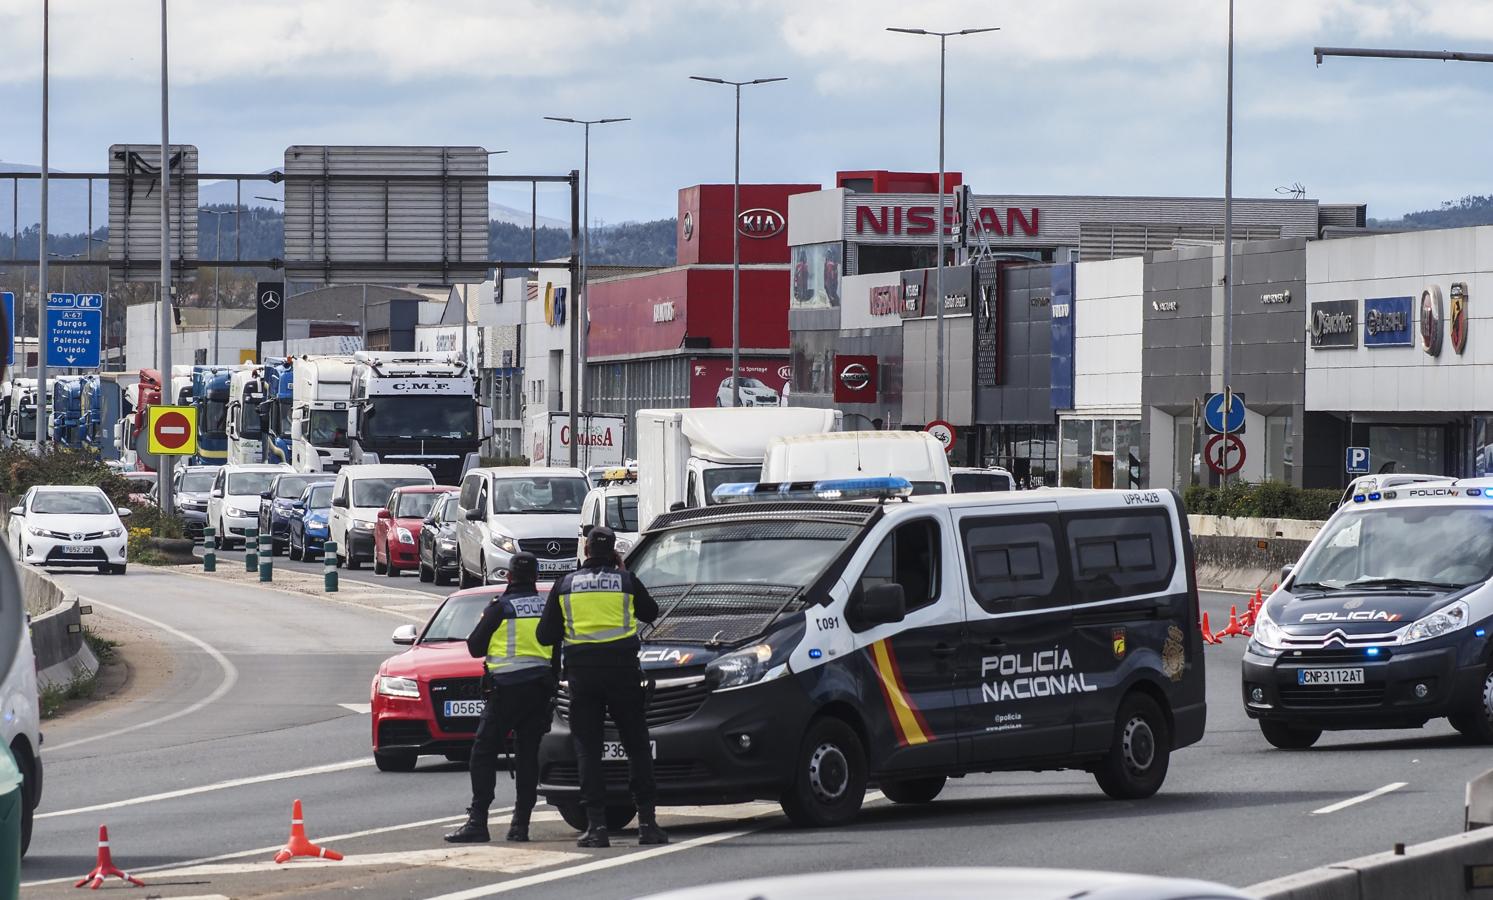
column 760, row 223
column 785, row 373
column 855, row 377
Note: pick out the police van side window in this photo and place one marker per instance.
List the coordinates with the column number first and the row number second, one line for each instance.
column 1119, row 554
column 908, row 556
column 1013, row 562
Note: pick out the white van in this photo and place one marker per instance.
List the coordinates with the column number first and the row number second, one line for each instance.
column 357, row 496
column 502, row 511
column 20, row 712
column 914, row 455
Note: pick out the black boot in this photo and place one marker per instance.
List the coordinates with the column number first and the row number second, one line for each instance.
column 648, row 830
column 596, row 830
column 473, row 831
column 518, row 828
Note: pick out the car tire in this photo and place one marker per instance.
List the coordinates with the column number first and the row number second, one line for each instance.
column 426, row 575
column 1139, row 753
column 394, row 761
column 378, row 567
column 119, row 569
column 1288, row 737
column 829, row 776
column 28, row 801
column 297, row 552
column 574, row 815
column 481, row 578
column 913, row 790
column 463, row 581
column 105, row 569
column 391, row 570
column 441, row 578
column 1477, row 723
column 619, row 815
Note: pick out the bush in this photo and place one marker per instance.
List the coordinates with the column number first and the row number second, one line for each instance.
column 505, row 461
column 20, row 470
column 154, row 521
column 1268, row 500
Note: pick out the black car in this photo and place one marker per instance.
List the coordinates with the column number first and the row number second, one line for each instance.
column 278, row 503
column 438, row 542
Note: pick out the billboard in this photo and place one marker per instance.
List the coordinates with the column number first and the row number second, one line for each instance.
column 1062, row 336
column 135, row 209
column 763, row 381
column 816, row 275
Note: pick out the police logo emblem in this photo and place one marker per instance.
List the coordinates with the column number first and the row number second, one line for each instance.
column 1117, row 640
column 1173, row 657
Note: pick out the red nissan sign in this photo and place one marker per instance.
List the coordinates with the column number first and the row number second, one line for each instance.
column 855, row 379
column 916, row 221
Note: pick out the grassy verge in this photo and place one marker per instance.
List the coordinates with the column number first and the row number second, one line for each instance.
column 54, row 697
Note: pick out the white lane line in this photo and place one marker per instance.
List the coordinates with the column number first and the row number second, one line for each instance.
column 230, row 678
column 361, row 709
column 209, row 788
column 1351, row 801
column 488, row 860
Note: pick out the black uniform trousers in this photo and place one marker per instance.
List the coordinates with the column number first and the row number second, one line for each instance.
column 523, row 709
column 595, row 692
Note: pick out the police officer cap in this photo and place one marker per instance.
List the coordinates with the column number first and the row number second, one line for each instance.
column 524, row 568
column 601, row 542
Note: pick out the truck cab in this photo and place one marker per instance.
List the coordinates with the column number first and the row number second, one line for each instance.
column 914, row 455
column 67, row 411
column 317, row 391
column 20, row 419
column 416, row 408
column 245, row 433
column 103, row 403
column 129, row 430
column 275, row 390
column 209, row 386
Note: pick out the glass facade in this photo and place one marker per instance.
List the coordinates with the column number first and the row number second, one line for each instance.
column 1030, row 452
column 1102, row 453
column 1409, row 448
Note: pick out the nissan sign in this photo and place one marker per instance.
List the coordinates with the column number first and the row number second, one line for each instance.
column 855, row 379
column 760, row 223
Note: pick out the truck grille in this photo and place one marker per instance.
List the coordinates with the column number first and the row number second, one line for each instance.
column 445, row 689
column 540, row 547
column 673, row 700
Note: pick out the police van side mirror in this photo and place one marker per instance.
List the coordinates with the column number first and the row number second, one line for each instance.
column 1285, row 572
column 880, row 605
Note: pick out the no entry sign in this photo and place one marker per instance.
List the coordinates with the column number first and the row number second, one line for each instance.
column 173, row 430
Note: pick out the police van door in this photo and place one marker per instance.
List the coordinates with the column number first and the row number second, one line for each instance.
column 1019, row 698
column 909, row 693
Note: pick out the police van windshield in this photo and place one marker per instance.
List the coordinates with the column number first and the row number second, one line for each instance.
column 1393, row 545
column 781, row 553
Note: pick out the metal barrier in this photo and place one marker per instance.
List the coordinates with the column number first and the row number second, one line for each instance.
column 329, row 566
column 266, row 557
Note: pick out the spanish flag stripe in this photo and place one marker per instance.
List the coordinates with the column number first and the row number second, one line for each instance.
column 911, row 706
column 910, row 727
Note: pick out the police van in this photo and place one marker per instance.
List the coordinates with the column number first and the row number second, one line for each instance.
column 1383, row 623
column 815, row 639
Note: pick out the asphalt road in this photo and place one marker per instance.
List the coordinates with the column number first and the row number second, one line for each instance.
column 195, row 781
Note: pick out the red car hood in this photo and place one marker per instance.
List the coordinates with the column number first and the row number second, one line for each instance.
column 446, row 659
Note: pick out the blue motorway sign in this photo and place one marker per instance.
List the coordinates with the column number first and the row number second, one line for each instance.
column 75, row 330
column 9, row 300
column 1358, row 461
column 1213, row 414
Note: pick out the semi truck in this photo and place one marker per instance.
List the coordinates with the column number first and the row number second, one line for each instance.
column 209, row 386
column 316, row 390
column 245, row 434
column 103, row 406
column 130, row 430
column 685, row 454
column 19, row 403
column 416, row 408
column 67, row 411
column 276, row 390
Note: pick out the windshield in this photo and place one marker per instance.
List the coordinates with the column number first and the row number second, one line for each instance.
column 415, row 505
column 622, row 513
column 280, row 416
column 368, row 492
column 213, row 418
column 291, row 486
column 979, row 482
column 244, row 483
column 739, row 553
column 448, row 509
column 248, row 418
column 78, row 503
column 1443, row 545
column 321, row 497
column 197, row 482
column 714, row 478
column 421, row 417
column 456, row 618
column 538, row 494
column 28, row 420
column 327, row 427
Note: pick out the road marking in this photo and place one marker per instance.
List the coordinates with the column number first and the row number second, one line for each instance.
column 415, row 607
column 490, row 859
column 209, row 788
column 1344, row 804
column 361, row 709
column 230, row 678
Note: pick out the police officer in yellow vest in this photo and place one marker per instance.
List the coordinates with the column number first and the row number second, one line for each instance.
column 519, row 686
column 595, row 612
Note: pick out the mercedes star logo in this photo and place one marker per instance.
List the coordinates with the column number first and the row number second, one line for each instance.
column 553, row 548
column 270, row 299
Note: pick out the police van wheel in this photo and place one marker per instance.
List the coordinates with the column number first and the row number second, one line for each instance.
column 1139, row 753
column 829, row 777
column 913, row 790
column 1477, row 723
column 1288, row 737
column 574, row 815
column 395, row 762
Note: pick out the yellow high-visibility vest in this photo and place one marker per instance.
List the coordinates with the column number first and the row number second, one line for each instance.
column 597, row 609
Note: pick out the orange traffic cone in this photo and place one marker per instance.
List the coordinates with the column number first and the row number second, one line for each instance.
column 1208, row 636
column 299, row 845
column 105, row 867
column 1233, row 627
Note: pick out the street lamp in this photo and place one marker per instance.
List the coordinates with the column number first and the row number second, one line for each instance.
column 736, row 234
column 217, row 271
column 579, row 388
column 943, row 38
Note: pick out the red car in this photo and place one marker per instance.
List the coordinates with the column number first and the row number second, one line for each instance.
column 426, row 700
column 396, row 534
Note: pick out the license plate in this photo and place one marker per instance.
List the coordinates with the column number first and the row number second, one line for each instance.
column 556, row 565
column 463, row 709
column 78, row 550
column 615, row 751
column 1329, row 676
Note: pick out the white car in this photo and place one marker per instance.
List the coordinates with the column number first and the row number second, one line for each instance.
column 613, row 503
column 69, row 525
column 504, row 510
column 753, row 393
column 972, row 480
column 233, row 505
column 20, row 712
column 358, row 494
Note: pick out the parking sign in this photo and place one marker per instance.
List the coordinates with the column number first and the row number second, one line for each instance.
column 1358, row 461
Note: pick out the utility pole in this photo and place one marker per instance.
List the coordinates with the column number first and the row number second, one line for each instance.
column 1228, row 256
column 41, row 272
column 168, row 501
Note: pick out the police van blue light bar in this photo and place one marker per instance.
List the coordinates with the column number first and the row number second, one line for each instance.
column 828, row 489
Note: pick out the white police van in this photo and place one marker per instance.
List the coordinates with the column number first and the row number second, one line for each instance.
column 807, row 647
column 1384, row 621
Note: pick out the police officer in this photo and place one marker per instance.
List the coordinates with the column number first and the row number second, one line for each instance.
column 595, row 611
column 520, row 684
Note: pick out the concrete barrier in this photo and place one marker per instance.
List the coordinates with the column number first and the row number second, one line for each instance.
column 56, row 630
column 1240, row 554
column 1436, row 870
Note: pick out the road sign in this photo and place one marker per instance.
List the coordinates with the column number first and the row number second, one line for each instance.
column 75, row 329
column 1224, row 456
column 9, row 300
column 1213, row 416
column 1358, row 461
column 943, row 431
column 172, row 430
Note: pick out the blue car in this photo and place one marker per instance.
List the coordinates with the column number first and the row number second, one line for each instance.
column 278, row 503
column 308, row 521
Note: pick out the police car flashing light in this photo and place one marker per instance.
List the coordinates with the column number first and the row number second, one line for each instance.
column 828, row 489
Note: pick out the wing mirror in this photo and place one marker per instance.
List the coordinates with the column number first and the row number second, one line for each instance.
column 475, row 515
column 298, row 506
column 586, row 529
column 18, row 510
column 1285, row 572
column 385, row 514
column 340, row 502
column 217, row 493
column 677, row 505
column 405, row 635
column 264, row 495
column 123, row 512
column 881, row 605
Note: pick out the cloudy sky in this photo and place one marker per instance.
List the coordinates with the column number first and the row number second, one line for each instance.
column 1071, row 96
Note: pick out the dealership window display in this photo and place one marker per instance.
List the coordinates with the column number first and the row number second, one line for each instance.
column 1101, row 453
column 1419, row 449
column 1029, row 452
column 816, row 275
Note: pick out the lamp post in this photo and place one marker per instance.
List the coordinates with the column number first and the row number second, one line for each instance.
column 168, row 504
column 578, row 390
column 943, row 39
column 41, row 272
column 217, row 274
column 736, row 234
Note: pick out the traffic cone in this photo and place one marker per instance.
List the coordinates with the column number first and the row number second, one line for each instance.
column 299, row 845
column 106, row 867
column 1208, row 636
column 1233, row 627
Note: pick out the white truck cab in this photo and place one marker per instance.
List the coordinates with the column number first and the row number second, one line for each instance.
column 914, row 455
column 321, row 388
column 245, row 437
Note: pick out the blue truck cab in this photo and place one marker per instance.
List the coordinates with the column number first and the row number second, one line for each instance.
column 67, row 411
column 274, row 412
column 210, row 396
column 102, row 406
